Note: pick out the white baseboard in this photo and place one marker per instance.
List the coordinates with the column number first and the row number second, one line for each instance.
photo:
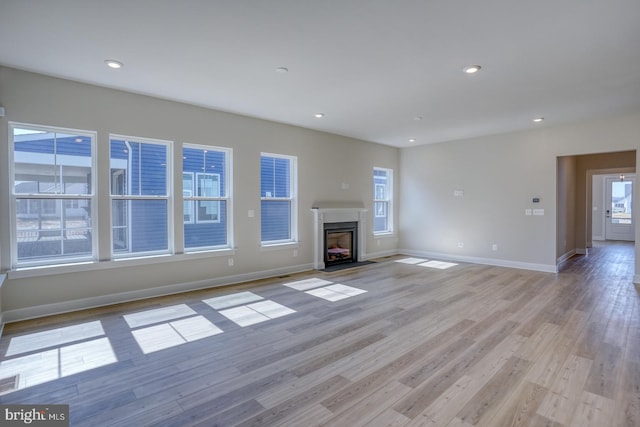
column 582, row 251
column 566, row 256
column 103, row 300
column 547, row 268
column 380, row 254
column 597, row 238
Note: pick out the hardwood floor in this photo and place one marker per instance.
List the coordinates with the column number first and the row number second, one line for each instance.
column 469, row 345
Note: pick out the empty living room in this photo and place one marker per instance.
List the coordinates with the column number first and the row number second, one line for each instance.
column 355, row 213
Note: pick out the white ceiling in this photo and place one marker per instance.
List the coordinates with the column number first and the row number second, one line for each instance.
column 371, row 66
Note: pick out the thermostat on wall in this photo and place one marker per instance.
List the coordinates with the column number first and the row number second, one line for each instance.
column 536, row 200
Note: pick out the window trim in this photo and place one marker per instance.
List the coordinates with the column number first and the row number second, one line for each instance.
column 386, row 201
column 227, row 198
column 62, row 197
column 293, row 200
column 168, row 196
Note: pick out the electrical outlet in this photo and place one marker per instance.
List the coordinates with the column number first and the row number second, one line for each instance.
column 295, row 252
column 494, row 247
column 230, row 262
column 461, row 244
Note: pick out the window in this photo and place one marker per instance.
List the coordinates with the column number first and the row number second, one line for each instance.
column 382, row 200
column 205, row 191
column 52, row 194
column 140, row 194
column 278, row 204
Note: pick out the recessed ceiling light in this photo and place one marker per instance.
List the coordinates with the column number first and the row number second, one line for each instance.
column 282, row 70
column 412, row 140
column 471, row 69
column 418, row 118
column 318, row 115
column 112, row 63
column 538, row 119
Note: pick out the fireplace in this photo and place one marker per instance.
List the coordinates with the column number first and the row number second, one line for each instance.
column 340, row 242
column 335, row 217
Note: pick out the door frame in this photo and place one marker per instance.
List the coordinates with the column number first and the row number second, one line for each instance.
column 609, row 232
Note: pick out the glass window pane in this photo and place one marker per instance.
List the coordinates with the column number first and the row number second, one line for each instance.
column 207, row 234
column 208, row 211
column 276, row 183
column 275, row 174
column 138, row 168
column 52, row 163
column 275, row 220
column 382, row 200
column 621, row 202
column 44, row 230
column 208, row 185
column 204, row 176
column 139, row 225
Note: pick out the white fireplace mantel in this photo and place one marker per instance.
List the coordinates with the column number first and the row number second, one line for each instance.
column 331, row 212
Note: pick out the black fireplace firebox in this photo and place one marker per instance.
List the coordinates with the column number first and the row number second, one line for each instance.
column 340, row 243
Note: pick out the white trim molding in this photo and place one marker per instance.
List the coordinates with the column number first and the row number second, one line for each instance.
column 566, row 256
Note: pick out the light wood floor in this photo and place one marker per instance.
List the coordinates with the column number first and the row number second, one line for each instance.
column 470, row 345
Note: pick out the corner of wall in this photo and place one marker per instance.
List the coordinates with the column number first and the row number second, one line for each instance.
column 2, row 278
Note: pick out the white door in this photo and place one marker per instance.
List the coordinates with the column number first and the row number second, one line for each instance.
column 619, row 217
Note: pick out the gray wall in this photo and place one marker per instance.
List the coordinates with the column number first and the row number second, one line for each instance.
column 325, row 161
column 500, row 175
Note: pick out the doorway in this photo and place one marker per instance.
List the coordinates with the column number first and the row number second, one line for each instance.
column 618, row 209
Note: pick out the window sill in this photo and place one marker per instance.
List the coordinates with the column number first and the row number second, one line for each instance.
column 385, row 235
column 36, row 271
column 279, row 246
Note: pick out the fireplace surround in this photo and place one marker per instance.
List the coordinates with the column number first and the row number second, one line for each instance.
column 341, row 218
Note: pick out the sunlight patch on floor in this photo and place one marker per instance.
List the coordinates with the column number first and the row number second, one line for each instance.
column 49, row 365
column 335, row 292
column 54, row 337
column 305, row 285
column 441, row 265
column 411, row 260
column 251, row 314
column 318, row 288
column 158, row 315
column 232, row 300
column 171, row 334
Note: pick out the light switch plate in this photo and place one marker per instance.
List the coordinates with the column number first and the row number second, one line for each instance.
column 538, row 211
